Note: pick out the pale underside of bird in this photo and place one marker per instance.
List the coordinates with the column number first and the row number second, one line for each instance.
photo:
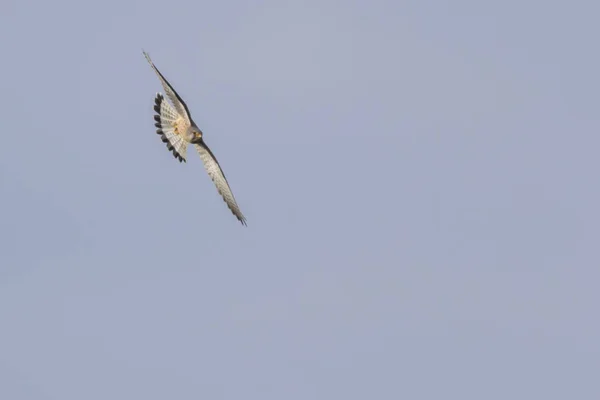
column 177, row 129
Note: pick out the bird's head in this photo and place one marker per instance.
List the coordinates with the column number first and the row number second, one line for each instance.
column 197, row 135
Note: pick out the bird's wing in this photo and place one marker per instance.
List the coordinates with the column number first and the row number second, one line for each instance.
column 169, row 124
column 218, row 177
column 177, row 101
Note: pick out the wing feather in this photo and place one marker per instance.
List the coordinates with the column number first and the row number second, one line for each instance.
column 177, row 101
column 218, row 177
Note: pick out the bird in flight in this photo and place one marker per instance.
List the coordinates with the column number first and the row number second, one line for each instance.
column 176, row 128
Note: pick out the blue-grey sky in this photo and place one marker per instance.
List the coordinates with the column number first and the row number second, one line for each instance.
column 420, row 181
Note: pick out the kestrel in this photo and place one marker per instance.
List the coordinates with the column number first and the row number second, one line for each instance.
column 176, row 128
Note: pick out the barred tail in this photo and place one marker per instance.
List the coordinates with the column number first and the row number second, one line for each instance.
column 165, row 119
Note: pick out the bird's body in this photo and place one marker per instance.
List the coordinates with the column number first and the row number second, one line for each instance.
column 177, row 129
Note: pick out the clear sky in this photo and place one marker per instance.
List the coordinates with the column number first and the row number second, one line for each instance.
column 420, row 181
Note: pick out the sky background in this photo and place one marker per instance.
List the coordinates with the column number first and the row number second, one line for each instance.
column 420, row 181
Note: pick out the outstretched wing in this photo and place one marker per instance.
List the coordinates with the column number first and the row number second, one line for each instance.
column 179, row 104
column 169, row 125
column 218, row 177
